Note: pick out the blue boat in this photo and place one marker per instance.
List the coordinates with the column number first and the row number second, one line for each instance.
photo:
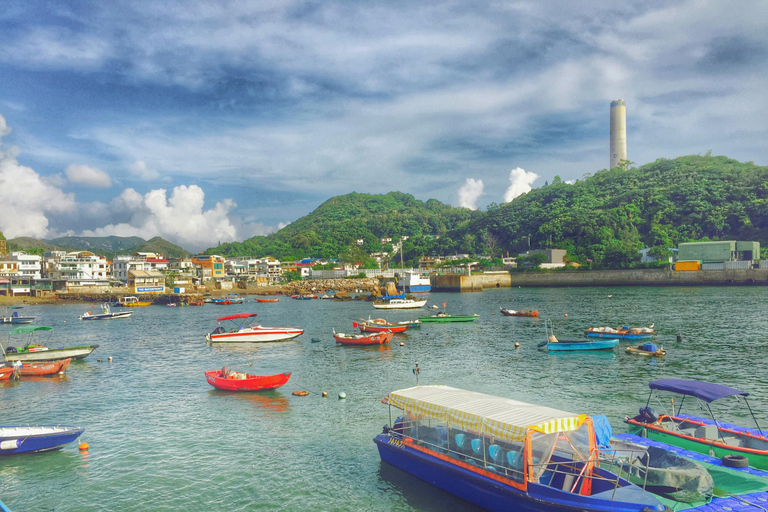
column 555, row 344
column 504, row 455
column 4, row 508
column 39, row 438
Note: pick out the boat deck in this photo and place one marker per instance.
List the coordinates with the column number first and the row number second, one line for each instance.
column 746, row 502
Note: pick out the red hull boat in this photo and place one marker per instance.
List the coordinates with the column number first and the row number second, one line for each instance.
column 267, row 300
column 521, row 312
column 6, row 372
column 374, row 326
column 229, row 380
column 39, row 368
column 378, row 338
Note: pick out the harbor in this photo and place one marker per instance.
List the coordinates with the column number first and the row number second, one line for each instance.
column 151, row 407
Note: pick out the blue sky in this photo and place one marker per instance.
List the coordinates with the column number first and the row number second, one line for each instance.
column 214, row 121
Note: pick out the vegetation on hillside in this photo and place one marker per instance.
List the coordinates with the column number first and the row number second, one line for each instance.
column 108, row 246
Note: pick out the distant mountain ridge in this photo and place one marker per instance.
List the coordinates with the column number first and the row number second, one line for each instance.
column 103, row 245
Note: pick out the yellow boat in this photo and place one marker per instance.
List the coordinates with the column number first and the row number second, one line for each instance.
column 133, row 302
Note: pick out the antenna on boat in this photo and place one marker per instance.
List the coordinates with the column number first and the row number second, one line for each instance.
column 416, row 372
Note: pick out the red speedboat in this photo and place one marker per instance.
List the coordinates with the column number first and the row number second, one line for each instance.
column 378, row 326
column 519, row 312
column 378, row 338
column 38, row 368
column 229, row 380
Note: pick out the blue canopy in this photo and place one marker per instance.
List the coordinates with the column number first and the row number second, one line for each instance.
column 704, row 390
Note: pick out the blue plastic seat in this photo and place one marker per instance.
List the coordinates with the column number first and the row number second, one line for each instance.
column 513, row 459
column 494, row 452
column 477, row 446
column 460, row 439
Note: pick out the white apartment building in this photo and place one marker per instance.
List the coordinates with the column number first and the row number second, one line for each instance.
column 147, row 261
column 271, row 268
column 84, row 267
column 28, row 265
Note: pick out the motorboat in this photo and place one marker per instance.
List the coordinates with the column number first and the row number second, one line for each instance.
column 703, row 435
column 15, row 318
column 378, row 325
column 519, row 312
column 229, row 300
column 228, row 380
column 106, row 314
column 400, row 304
column 243, row 331
column 9, row 370
column 377, row 338
column 444, row 318
column 267, row 300
column 132, row 302
column 24, row 439
column 623, row 333
column 42, row 368
column 503, row 454
column 33, row 351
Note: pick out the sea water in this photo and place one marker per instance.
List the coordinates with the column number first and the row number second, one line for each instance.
column 162, row 439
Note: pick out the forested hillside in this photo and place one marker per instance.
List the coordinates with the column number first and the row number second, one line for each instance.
column 602, row 220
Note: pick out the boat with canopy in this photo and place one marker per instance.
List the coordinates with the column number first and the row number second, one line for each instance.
column 503, row 454
column 246, row 332
column 731, row 443
column 33, row 351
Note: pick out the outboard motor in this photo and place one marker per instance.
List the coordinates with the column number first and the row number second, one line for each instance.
column 647, row 415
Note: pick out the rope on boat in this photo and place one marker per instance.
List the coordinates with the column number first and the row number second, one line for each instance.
column 748, row 502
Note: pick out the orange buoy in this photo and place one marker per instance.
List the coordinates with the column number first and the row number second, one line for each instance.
column 300, row 393
column 566, row 315
column 83, row 447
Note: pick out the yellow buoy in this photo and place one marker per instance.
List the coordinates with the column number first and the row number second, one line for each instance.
column 566, row 315
column 83, row 447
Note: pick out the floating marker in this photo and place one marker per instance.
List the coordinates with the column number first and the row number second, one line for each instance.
column 566, row 315
column 83, row 447
column 402, row 344
column 109, row 359
column 517, row 345
column 342, row 395
column 325, row 394
column 315, row 340
column 100, row 360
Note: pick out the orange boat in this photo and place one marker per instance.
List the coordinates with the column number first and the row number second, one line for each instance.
column 6, row 372
column 378, row 326
column 520, row 312
column 267, row 300
column 378, row 338
column 39, row 368
column 229, row 380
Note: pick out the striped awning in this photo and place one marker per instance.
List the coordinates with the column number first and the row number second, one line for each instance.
column 486, row 414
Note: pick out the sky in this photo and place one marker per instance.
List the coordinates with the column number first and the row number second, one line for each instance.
column 213, row 121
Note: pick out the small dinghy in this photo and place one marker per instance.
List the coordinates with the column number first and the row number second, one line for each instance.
column 378, row 338
column 24, row 439
column 647, row 349
column 229, row 380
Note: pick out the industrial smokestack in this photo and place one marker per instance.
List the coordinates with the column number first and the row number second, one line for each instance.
column 618, row 132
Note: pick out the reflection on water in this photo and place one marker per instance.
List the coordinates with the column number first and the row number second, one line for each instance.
column 272, row 401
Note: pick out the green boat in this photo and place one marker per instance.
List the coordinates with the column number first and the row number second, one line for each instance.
column 443, row 318
column 732, row 443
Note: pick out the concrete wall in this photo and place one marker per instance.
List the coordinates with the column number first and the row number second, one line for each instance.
column 643, row 277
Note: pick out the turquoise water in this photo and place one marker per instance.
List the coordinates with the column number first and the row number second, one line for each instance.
column 162, row 439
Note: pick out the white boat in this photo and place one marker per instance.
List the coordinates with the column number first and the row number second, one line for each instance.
column 15, row 318
column 105, row 314
column 32, row 351
column 415, row 282
column 250, row 333
column 400, row 304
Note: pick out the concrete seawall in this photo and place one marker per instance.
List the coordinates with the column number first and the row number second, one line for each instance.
column 640, row 277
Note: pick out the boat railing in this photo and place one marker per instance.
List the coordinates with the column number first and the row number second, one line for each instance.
column 620, row 461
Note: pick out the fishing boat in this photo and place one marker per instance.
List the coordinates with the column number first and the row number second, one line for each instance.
column 24, row 439
column 15, row 318
column 132, row 302
column 622, row 333
column 647, row 349
column 399, row 303
column 729, row 442
column 378, row 338
column 243, row 331
column 414, row 282
column 33, row 351
column 229, row 380
column 444, row 318
column 267, row 300
column 555, row 345
column 106, row 314
column 229, row 300
column 41, row 368
column 378, row 325
column 502, row 454
column 195, row 302
column 519, row 312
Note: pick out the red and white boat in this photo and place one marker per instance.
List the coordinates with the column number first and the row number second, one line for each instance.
column 245, row 332
column 378, row 338
column 40, row 368
column 378, row 325
column 229, row 380
column 519, row 312
column 267, row 300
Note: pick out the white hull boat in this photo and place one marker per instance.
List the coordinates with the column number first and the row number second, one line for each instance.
column 401, row 304
column 253, row 333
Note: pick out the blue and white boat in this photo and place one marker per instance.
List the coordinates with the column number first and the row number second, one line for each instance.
column 39, row 438
column 415, row 282
column 555, row 345
column 504, row 455
column 15, row 318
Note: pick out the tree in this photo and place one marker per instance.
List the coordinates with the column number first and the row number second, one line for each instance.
column 490, row 242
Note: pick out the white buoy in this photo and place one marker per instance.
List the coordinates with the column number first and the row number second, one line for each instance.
column 109, row 359
column 517, row 345
column 402, row 344
column 342, row 395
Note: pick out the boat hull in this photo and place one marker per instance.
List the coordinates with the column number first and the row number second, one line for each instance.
column 36, row 439
column 40, row 368
column 757, row 458
column 418, row 288
column 256, row 335
column 374, row 339
column 55, row 354
column 401, row 304
column 17, row 319
column 582, row 345
column 447, row 318
column 487, row 492
column 249, row 383
column 6, row 372
column 640, row 352
column 107, row 316
column 530, row 314
column 366, row 327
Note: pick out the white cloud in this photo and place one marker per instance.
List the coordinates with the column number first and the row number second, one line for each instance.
column 90, row 176
column 140, row 171
column 470, row 192
column 520, row 183
column 26, row 199
column 181, row 218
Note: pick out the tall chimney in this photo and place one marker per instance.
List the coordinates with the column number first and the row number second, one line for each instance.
column 618, row 132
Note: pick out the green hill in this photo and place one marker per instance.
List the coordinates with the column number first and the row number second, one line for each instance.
column 25, row 243
column 98, row 244
column 160, row 246
column 107, row 246
column 333, row 228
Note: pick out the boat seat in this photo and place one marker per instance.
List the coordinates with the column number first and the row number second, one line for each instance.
column 477, row 446
column 494, row 452
column 706, row 432
column 461, row 441
column 687, row 431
